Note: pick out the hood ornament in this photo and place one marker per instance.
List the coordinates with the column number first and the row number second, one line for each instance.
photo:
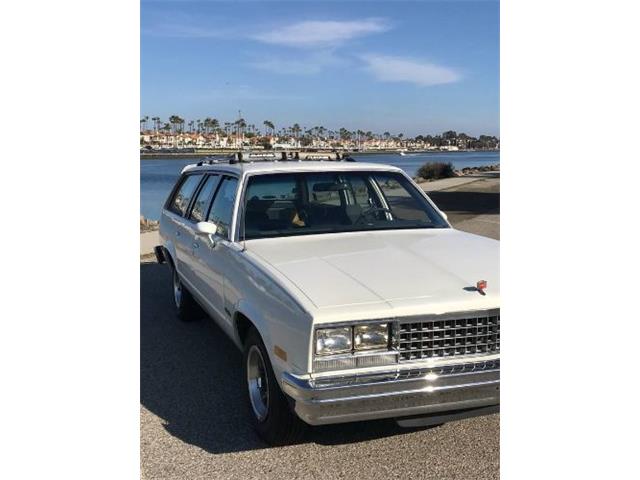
column 480, row 287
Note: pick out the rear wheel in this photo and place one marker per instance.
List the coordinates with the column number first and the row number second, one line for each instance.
column 272, row 415
column 186, row 307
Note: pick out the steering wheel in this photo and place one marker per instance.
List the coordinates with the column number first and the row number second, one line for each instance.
column 371, row 211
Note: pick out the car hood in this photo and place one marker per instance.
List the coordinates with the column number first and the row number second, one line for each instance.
column 430, row 271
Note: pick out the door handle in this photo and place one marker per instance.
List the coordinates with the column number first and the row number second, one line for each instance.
column 196, row 245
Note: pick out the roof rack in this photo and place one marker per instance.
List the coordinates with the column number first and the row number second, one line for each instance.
column 247, row 156
column 216, row 159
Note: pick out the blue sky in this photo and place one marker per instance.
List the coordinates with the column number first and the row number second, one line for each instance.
column 413, row 67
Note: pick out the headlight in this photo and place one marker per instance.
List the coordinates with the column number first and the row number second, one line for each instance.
column 333, row 340
column 361, row 345
column 367, row 337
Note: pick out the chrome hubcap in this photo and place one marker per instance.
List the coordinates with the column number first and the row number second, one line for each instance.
column 177, row 289
column 257, row 383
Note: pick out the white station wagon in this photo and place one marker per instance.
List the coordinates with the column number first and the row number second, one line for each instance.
column 348, row 291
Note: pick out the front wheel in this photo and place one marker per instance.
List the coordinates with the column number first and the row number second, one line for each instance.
column 272, row 415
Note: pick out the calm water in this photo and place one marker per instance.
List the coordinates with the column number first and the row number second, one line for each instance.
column 158, row 176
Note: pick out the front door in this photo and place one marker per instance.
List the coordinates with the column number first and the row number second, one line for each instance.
column 212, row 256
column 192, row 241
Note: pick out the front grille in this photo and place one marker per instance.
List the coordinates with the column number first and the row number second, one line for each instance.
column 471, row 335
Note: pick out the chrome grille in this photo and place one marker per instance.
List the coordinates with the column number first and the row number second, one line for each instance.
column 471, row 335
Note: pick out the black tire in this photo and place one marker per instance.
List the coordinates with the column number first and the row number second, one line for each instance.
column 186, row 307
column 279, row 424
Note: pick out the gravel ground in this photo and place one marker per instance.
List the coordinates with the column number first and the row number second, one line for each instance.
column 473, row 207
column 194, row 419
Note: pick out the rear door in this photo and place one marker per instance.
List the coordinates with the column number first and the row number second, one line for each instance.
column 178, row 209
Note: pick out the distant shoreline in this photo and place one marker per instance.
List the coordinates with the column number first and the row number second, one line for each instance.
column 181, row 155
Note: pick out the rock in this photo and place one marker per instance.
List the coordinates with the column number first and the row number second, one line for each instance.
column 147, row 225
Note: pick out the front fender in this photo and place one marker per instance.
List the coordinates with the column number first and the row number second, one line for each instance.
column 282, row 330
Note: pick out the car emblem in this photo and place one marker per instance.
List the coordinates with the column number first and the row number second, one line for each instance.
column 481, row 286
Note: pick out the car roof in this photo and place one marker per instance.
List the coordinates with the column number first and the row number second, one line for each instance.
column 258, row 167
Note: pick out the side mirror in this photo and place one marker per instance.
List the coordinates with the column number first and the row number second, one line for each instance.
column 206, row 228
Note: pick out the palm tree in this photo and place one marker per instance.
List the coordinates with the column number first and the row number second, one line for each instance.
column 174, row 120
column 214, row 124
column 240, row 125
column 268, row 124
column 156, row 123
column 296, row 130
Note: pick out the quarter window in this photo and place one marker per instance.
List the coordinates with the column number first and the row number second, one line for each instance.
column 183, row 197
column 199, row 210
column 222, row 208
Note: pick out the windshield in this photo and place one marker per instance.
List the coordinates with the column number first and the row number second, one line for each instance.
column 286, row 204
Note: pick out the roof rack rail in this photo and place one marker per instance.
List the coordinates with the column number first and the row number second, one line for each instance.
column 215, row 159
column 289, row 155
column 247, row 156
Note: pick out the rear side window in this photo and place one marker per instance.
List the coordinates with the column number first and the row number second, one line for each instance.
column 182, row 198
column 222, row 208
column 200, row 206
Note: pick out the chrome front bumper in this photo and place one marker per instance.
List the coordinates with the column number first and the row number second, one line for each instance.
column 444, row 393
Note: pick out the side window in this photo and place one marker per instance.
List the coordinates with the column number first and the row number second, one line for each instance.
column 199, row 210
column 222, row 208
column 182, row 198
